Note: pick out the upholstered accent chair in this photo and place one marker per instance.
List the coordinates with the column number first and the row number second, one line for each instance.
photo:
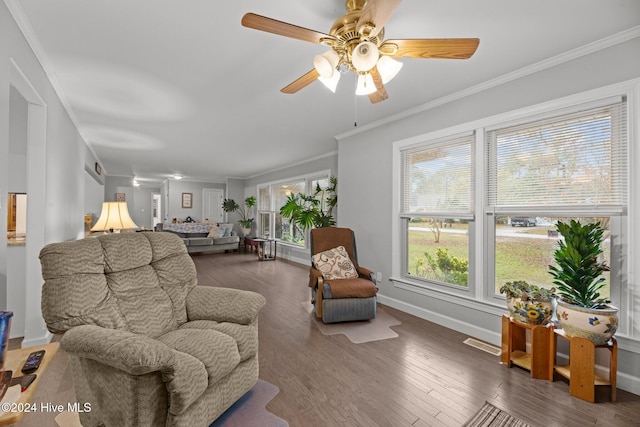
column 341, row 290
column 147, row 345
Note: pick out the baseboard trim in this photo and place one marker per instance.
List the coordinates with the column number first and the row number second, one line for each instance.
column 41, row 340
column 486, row 335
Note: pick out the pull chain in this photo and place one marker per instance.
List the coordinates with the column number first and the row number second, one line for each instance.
column 355, row 107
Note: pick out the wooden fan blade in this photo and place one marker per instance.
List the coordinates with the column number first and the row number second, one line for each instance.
column 377, row 12
column 431, row 48
column 381, row 93
column 262, row 23
column 302, row 82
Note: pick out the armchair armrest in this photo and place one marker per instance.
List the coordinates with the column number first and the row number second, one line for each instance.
column 132, row 353
column 365, row 273
column 223, row 304
column 185, row 377
column 314, row 275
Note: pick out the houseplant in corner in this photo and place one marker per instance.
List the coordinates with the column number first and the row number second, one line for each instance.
column 528, row 304
column 578, row 275
column 230, row 205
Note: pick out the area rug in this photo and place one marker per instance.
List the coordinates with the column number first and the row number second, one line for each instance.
column 249, row 411
column 359, row 332
column 490, row 416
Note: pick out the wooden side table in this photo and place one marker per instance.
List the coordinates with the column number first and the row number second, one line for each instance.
column 14, row 361
column 267, row 249
column 514, row 348
column 251, row 243
column 581, row 368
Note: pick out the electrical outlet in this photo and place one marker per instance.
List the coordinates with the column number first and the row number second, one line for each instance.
column 378, row 277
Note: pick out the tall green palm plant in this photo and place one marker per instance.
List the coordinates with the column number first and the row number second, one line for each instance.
column 315, row 210
column 578, row 273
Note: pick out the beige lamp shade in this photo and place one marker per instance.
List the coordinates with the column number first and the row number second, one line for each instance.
column 332, row 82
column 326, row 63
column 114, row 216
column 388, row 68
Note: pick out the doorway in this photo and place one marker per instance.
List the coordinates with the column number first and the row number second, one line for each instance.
column 156, row 210
column 212, row 204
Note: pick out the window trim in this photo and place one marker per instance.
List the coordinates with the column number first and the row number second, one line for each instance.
column 307, row 178
column 480, row 300
column 406, row 214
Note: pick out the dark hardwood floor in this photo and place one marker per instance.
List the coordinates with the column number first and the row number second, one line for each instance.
column 425, row 377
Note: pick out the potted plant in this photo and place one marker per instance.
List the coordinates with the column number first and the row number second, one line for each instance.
column 315, row 210
column 230, row 205
column 528, row 304
column 578, row 275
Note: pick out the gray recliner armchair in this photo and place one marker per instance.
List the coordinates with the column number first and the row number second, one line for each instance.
column 341, row 290
column 147, row 346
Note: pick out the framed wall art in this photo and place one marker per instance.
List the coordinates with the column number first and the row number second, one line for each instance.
column 187, row 200
column 121, row 197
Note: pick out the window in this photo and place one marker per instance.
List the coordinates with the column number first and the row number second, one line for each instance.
column 272, row 196
column 437, row 208
column 571, row 166
column 526, row 253
column 477, row 204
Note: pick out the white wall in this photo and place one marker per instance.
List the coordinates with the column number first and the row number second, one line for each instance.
column 93, row 197
column 55, row 175
column 175, row 190
column 18, row 115
column 235, row 191
column 365, row 193
column 14, row 297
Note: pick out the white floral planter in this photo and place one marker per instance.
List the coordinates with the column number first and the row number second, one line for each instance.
column 597, row 325
column 530, row 312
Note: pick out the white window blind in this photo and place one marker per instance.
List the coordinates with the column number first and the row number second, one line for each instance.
column 576, row 160
column 437, row 179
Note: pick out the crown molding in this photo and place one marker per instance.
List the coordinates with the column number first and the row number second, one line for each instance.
column 289, row 165
column 553, row 61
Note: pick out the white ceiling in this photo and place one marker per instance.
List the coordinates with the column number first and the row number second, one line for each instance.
column 159, row 87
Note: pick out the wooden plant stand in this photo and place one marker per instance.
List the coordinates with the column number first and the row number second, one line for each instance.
column 514, row 348
column 581, row 368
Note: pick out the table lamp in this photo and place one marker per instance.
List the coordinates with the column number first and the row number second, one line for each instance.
column 114, row 217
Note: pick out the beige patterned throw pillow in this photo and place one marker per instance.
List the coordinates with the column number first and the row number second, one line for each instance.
column 215, row 231
column 335, row 264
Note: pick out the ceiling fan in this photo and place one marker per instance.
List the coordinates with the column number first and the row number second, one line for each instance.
column 356, row 42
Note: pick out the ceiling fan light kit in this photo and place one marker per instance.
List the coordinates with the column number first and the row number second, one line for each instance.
column 356, row 42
